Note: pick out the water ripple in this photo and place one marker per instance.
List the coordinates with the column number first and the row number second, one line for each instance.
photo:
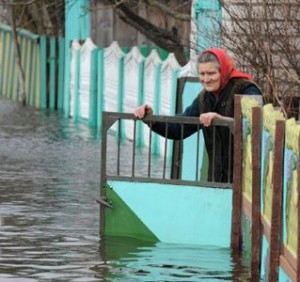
column 49, row 219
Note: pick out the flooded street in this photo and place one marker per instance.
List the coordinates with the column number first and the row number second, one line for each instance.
column 49, row 219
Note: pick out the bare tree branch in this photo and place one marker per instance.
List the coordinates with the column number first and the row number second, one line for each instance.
column 169, row 40
column 264, row 37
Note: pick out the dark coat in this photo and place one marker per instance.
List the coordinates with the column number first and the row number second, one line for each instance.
column 223, row 104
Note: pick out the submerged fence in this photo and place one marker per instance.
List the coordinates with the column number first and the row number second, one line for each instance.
column 84, row 80
column 266, row 188
column 42, row 62
column 266, row 191
column 143, row 166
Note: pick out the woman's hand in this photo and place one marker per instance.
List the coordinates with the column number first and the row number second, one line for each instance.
column 207, row 118
column 142, row 111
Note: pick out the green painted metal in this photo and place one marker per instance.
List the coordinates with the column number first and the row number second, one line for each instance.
column 10, row 68
column 35, row 78
column 121, row 89
column 66, row 101
column 141, row 100
column 28, row 68
column 61, row 71
column 33, row 51
column 21, row 32
column 175, row 213
column 76, row 105
column 43, row 72
column 22, row 41
column 265, row 258
column 283, row 276
column 34, row 75
column 16, row 76
column 246, row 227
column 121, row 221
column 25, row 61
column 208, row 19
column 146, row 50
column 77, row 23
column 100, row 88
column 52, row 72
column 93, row 90
column 7, row 62
column 190, row 92
column 156, row 107
column 14, row 94
column 2, row 65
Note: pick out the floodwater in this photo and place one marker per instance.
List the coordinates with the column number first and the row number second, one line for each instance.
column 49, row 219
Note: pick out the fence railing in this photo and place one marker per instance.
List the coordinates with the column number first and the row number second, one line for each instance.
column 123, row 159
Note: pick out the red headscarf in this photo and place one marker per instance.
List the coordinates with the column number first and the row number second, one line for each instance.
column 227, row 68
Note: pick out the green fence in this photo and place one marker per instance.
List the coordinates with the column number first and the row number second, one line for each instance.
column 42, row 61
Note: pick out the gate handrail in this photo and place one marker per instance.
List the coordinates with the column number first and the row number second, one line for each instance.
column 110, row 118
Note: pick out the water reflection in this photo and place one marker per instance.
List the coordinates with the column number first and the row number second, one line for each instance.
column 125, row 259
column 49, row 219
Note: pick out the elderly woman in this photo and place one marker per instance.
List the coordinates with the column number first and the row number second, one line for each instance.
column 221, row 81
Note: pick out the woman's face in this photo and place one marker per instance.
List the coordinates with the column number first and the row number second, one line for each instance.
column 209, row 76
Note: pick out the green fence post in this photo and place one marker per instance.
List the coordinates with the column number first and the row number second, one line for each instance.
column 100, row 88
column 35, row 74
column 77, row 86
column 93, row 90
column 66, row 97
column 2, row 65
column 157, row 94
column 43, row 72
column 61, row 72
column 52, row 79
column 25, row 64
column 208, row 15
column 121, row 89
column 11, row 67
column 141, row 99
column 29, row 70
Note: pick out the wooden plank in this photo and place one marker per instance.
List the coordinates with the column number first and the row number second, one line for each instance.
column 276, row 201
column 298, row 221
column 237, row 173
column 256, row 171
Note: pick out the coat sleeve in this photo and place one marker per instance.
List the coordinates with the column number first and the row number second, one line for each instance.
column 252, row 90
column 176, row 131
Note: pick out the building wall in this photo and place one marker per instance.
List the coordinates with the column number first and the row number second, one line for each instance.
column 106, row 26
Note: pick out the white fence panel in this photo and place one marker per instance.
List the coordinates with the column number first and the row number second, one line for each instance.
column 112, row 57
column 85, row 77
column 131, row 85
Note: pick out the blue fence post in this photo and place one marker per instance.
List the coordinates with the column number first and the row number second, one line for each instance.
column 43, row 72
column 100, row 88
column 66, row 96
column 11, row 68
column 52, row 83
column 77, row 86
column 61, row 72
column 141, row 99
column 156, row 108
column 93, row 91
column 2, row 65
column 121, row 89
column 208, row 15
